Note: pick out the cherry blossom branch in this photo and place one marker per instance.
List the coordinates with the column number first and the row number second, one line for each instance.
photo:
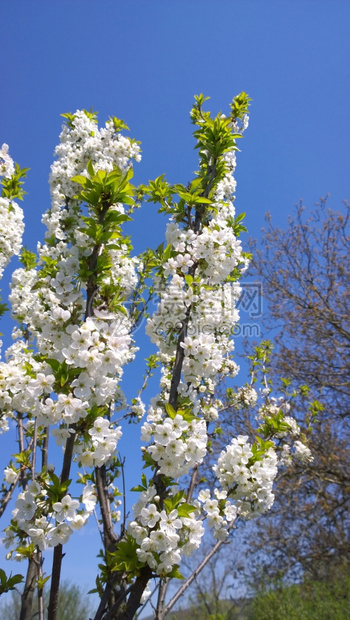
column 58, row 550
column 110, row 538
column 6, row 499
column 21, row 447
column 192, row 483
column 35, row 441
column 133, row 603
column 45, row 448
column 28, row 592
column 196, row 572
column 163, row 587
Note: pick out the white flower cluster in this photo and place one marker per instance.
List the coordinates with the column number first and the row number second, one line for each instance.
column 219, row 512
column 247, row 481
column 194, row 290
column 11, row 231
column 208, row 303
column 10, row 475
column 245, row 396
column 49, row 526
column 97, row 349
column 177, row 445
column 80, row 142
column 45, row 304
column 7, row 167
column 162, row 536
column 293, row 425
column 240, row 125
column 11, row 216
column 138, row 408
column 52, row 305
column 15, row 393
column 88, row 345
column 302, row 452
column 102, row 445
column 272, row 406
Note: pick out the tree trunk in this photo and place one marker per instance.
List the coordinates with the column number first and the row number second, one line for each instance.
column 28, row 593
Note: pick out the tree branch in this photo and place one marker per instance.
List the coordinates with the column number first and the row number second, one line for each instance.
column 196, row 572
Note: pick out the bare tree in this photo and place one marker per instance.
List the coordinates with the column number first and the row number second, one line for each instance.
column 306, row 278
column 73, row 604
column 305, row 275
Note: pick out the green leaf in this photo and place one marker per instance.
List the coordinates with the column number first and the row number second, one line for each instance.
column 170, row 411
column 240, row 217
column 26, row 551
column 54, row 479
column 27, row 258
column 81, row 179
column 9, row 583
column 125, row 556
column 42, row 580
column 90, row 168
column 118, row 124
column 184, row 510
column 144, row 480
column 175, row 573
column 54, row 364
column 149, row 461
column 12, row 187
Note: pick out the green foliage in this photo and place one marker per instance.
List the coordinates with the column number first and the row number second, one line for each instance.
column 184, row 413
column 118, row 124
column 177, row 502
column 214, row 138
column 56, row 490
column 104, row 187
column 27, row 258
column 12, row 187
column 70, row 117
column 309, row 601
column 126, row 558
column 209, row 609
column 8, row 583
column 141, row 487
column 240, row 105
column 3, row 307
column 73, row 604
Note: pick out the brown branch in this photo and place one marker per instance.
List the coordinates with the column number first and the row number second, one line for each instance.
column 192, row 483
column 58, row 553
column 45, row 448
column 110, row 538
column 28, row 592
column 40, row 590
column 196, row 572
column 7, row 498
column 163, row 587
column 35, row 441
column 23, row 477
column 55, row 581
column 136, row 591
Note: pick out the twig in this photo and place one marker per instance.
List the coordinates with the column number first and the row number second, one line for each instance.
column 196, row 572
column 8, row 495
column 110, row 537
column 58, row 553
column 35, row 440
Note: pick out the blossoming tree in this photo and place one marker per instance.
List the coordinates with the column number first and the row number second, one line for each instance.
column 76, row 304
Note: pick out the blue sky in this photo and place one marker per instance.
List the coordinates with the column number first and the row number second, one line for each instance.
column 144, row 60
